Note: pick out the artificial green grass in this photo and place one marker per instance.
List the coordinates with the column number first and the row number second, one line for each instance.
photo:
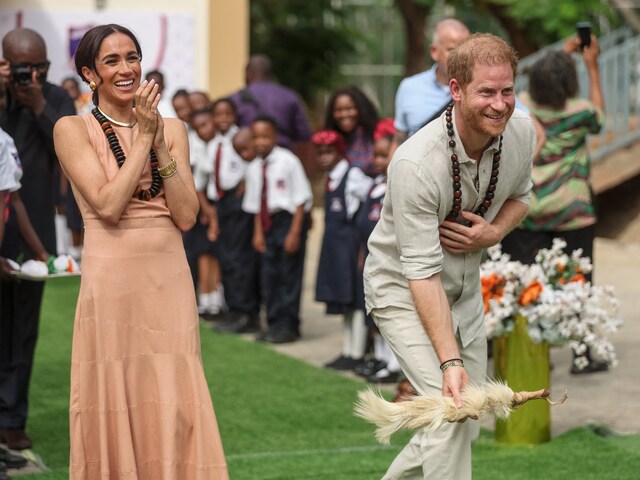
column 281, row 419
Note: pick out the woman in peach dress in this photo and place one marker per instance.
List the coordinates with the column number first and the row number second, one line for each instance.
column 140, row 406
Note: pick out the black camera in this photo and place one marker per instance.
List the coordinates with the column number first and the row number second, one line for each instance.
column 21, row 74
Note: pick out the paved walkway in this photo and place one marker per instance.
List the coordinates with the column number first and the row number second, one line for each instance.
column 609, row 398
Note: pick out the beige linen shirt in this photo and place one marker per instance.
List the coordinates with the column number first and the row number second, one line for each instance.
column 405, row 243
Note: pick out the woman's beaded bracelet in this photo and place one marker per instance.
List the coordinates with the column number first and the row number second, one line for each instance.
column 169, row 169
column 453, row 362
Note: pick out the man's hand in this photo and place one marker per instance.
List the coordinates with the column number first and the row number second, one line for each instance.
column 453, row 382
column 457, row 238
column 31, row 95
column 5, row 71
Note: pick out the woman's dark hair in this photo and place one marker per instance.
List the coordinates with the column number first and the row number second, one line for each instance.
column 89, row 47
column 553, row 80
column 367, row 113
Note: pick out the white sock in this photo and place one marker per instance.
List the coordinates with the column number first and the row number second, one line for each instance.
column 358, row 335
column 378, row 347
column 63, row 236
column 346, row 334
column 214, row 304
column 390, row 357
column 203, row 302
column 222, row 302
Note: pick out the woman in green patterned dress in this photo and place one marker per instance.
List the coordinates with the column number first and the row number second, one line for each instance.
column 562, row 198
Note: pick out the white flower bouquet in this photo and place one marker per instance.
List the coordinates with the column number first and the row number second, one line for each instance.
column 560, row 305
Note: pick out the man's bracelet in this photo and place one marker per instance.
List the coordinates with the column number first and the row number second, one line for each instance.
column 453, row 362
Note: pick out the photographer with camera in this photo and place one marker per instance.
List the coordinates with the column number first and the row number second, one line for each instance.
column 33, row 106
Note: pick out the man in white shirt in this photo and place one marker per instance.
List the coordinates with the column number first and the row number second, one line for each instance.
column 422, row 284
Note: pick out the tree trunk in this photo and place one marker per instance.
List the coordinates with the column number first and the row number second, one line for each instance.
column 518, row 36
column 414, row 17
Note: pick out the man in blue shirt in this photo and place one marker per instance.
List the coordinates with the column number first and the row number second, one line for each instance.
column 424, row 95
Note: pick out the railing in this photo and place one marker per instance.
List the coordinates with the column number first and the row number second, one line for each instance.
column 619, row 63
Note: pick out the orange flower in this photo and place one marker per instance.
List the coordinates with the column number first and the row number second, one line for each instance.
column 578, row 278
column 492, row 287
column 531, row 293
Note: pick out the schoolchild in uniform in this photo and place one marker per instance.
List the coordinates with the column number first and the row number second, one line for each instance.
column 243, row 145
column 383, row 367
column 205, row 231
column 279, row 196
column 223, row 188
column 14, row 225
column 182, row 107
column 339, row 281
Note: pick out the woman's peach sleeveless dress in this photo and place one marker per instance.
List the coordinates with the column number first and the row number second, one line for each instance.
column 140, row 406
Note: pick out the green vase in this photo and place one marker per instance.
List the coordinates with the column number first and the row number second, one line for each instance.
column 524, row 365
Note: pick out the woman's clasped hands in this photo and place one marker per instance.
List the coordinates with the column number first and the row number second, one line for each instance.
column 149, row 119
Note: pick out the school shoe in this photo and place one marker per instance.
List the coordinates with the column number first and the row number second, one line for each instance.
column 592, row 367
column 239, row 322
column 11, row 460
column 214, row 317
column 369, row 367
column 15, row 438
column 278, row 336
column 344, row 363
column 384, row 376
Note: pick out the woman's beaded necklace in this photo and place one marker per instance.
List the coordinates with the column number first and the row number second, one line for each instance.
column 457, row 185
column 114, row 144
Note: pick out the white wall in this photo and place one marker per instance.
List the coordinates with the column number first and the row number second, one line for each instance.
column 174, row 35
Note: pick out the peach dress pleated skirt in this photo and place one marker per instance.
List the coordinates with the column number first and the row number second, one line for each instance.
column 140, row 406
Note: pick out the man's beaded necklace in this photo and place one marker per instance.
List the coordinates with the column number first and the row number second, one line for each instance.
column 114, row 144
column 457, row 185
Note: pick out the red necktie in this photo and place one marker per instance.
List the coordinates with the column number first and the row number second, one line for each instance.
column 265, row 218
column 328, row 188
column 216, row 171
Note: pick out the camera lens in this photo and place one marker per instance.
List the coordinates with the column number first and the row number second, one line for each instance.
column 21, row 75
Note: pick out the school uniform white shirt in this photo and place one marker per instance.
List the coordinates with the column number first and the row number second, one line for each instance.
column 196, row 147
column 10, row 167
column 379, row 188
column 287, row 183
column 165, row 108
column 231, row 170
column 356, row 188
